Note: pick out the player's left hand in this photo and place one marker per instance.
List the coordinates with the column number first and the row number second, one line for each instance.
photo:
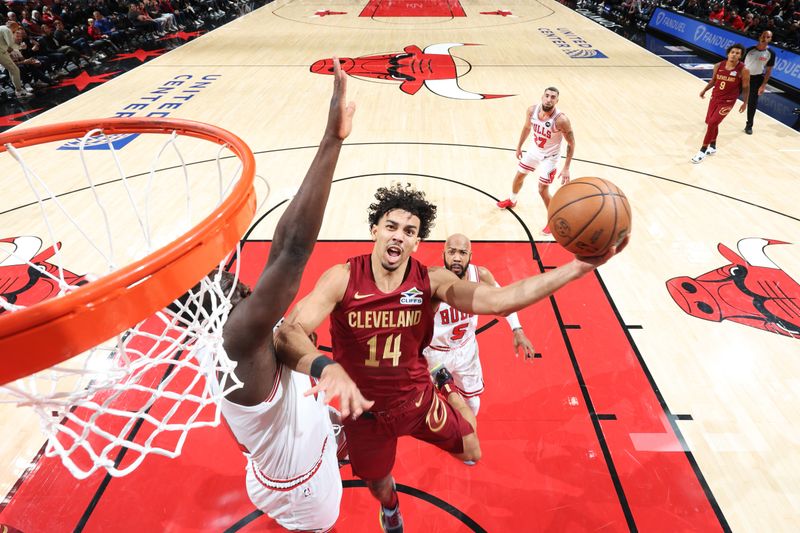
column 334, row 381
column 564, row 176
column 743, row 107
column 340, row 115
column 522, row 345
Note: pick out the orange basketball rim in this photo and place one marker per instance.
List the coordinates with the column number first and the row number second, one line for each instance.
column 54, row 330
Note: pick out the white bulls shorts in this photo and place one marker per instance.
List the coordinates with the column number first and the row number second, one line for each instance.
column 545, row 164
column 463, row 363
column 310, row 506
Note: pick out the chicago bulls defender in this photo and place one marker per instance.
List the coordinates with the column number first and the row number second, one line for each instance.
column 550, row 127
column 729, row 79
column 381, row 307
column 454, row 345
column 287, row 436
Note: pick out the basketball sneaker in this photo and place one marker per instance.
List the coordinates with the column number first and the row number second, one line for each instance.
column 711, row 150
column 391, row 523
column 699, row 156
column 443, row 379
column 505, row 204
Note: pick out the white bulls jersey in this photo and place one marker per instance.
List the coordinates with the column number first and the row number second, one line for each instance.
column 283, row 436
column 292, row 470
column 545, row 137
column 453, row 328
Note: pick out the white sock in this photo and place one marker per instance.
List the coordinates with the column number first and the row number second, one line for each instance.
column 513, row 197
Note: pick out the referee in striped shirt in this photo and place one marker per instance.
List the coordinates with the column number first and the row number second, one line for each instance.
column 759, row 60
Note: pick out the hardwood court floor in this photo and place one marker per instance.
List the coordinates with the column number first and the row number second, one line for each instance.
column 637, row 415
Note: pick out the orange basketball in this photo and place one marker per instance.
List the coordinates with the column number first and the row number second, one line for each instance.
column 589, row 215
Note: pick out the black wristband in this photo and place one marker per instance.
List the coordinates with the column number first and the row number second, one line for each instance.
column 318, row 364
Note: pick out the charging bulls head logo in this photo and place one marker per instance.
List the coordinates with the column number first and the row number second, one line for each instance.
column 26, row 276
column 751, row 290
column 434, row 67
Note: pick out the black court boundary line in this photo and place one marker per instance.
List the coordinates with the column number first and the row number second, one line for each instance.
column 101, row 489
column 406, row 489
column 670, row 416
column 451, row 145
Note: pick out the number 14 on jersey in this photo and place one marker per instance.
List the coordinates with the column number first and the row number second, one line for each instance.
column 391, row 349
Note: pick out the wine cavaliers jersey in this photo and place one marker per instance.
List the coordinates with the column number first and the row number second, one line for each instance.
column 727, row 83
column 453, row 328
column 379, row 337
column 546, row 139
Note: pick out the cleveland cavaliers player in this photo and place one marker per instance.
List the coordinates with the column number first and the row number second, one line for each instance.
column 292, row 469
column 381, row 308
column 730, row 78
column 549, row 126
column 454, row 344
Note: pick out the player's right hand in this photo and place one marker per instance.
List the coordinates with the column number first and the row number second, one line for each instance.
column 591, row 263
column 340, row 115
column 334, row 382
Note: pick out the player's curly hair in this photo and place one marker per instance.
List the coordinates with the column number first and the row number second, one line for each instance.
column 735, row 45
column 407, row 198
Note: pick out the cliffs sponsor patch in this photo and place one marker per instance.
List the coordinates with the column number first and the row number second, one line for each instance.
column 412, row 296
column 158, row 103
column 572, row 44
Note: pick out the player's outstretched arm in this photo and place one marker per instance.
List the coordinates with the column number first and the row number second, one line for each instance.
column 250, row 326
column 522, row 344
column 485, row 300
column 296, row 350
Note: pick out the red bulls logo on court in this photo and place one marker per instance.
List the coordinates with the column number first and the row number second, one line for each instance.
column 751, row 290
column 434, row 67
column 26, row 276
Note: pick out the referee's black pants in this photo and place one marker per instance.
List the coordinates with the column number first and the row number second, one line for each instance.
column 752, row 98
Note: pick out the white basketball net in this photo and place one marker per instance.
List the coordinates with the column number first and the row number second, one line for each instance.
column 141, row 392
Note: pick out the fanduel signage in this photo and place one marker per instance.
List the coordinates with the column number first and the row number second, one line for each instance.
column 716, row 40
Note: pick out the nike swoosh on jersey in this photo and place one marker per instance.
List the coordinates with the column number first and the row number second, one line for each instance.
column 419, row 402
column 358, row 296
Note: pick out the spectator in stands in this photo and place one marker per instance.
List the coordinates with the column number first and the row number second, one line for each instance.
column 166, row 21
column 104, row 28
column 53, row 49
column 31, row 68
column 749, row 23
column 29, row 23
column 141, row 20
column 717, row 14
column 693, row 8
column 47, row 15
column 100, row 42
column 735, row 21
